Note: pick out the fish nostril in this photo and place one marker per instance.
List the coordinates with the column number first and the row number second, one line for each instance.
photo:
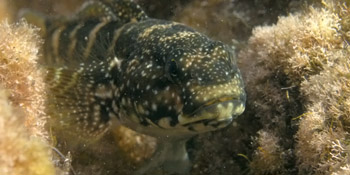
column 173, row 68
column 206, row 60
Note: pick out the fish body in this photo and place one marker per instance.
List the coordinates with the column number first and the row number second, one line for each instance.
column 156, row 77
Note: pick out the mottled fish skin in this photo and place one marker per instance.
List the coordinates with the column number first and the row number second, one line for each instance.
column 157, row 77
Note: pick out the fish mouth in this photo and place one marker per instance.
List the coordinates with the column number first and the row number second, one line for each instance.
column 219, row 110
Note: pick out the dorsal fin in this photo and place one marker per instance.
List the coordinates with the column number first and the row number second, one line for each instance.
column 122, row 11
column 96, row 10
column 115, row 10
column 41, row 20
column 35, row 18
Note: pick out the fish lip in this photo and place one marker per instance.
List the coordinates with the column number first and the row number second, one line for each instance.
column 207, row 107
column 228, row 119
column 213, row 103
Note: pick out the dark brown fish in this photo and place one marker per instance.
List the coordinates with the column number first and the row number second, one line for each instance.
column 156, row 77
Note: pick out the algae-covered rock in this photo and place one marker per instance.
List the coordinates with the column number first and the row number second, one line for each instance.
column 20, row 153
column 231, row 20
column 298, row 78
column 24, row 147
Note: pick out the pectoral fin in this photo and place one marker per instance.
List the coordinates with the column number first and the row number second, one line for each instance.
column 72, row 104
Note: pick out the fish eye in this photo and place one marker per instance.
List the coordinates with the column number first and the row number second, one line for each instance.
column 173, row 69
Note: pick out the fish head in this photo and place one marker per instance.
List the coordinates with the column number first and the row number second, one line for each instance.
column 194, row 87
column 212, row 90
